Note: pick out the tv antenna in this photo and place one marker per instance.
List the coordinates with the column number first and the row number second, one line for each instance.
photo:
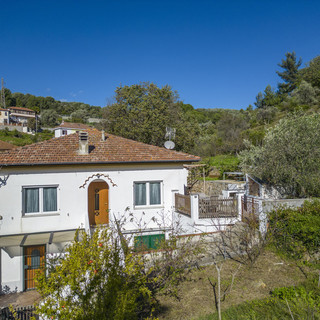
column 170, row 134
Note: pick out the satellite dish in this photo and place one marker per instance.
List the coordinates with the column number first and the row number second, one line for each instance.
column 169, row 145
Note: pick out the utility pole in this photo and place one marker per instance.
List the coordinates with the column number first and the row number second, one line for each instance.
column 3, row 97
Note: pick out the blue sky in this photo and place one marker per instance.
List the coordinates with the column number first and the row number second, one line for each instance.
column 216, row 54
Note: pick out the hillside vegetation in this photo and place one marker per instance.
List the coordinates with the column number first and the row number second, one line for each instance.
column 21, row 139
column 143, row 111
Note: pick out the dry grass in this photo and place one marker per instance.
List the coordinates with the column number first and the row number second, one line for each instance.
column 197, row 299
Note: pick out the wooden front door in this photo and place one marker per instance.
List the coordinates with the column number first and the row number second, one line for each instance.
column 34, row 261
column 98, row 201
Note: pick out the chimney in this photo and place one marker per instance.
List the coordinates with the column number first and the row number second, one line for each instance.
column 83, row 143
column 103, row 135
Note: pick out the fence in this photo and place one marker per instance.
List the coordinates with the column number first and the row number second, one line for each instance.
column 214, row 207
column 24, row 313
column 183, row 204
column 249, row 208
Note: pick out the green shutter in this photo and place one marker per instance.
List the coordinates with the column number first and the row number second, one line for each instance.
column 155, row 240
column 152, row 241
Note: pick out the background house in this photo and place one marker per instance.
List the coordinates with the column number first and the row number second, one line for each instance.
column 21, row 115
column 66, row 128
column 4, row 116
column 50, row 189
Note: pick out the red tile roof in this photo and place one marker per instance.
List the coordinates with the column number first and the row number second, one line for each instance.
column 114, row 149
column 1, row 109
column 6, row 146
column 70, row 125
column 21, row 108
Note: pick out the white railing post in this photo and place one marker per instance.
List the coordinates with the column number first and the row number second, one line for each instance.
column 239, row 196
column 194, row 199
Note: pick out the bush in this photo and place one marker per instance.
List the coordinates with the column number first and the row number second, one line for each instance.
column 94, row 280
column 296, row 232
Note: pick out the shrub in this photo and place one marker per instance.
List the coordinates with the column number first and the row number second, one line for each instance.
column 296, row 232
column 94, row 280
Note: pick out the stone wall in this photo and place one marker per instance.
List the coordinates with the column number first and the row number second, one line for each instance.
column 11, row 127
column 214, row 187
column 269, row 205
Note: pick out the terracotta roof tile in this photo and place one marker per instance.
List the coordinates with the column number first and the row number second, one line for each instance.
column 114, row 149
column 6, row 145
column 20, row 108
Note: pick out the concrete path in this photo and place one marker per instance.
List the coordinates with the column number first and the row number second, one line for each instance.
column 20, row 299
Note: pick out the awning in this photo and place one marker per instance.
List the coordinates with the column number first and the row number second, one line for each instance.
column 38, row 238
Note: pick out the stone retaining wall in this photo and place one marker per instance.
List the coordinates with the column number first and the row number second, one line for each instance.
column 214, row 187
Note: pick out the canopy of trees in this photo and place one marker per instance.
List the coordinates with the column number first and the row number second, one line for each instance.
column 40, row 104
column 289, row 157
column 142, row 112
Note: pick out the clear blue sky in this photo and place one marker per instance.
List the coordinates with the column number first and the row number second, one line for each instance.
column 214, row 53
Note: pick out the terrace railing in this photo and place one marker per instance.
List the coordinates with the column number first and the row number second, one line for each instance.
column 213, row 207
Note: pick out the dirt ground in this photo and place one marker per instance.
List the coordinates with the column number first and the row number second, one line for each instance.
column 197, row 298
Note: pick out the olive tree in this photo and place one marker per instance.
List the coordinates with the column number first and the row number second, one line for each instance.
column 289, row 157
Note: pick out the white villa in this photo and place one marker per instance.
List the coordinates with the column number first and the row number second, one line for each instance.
column 50, row 189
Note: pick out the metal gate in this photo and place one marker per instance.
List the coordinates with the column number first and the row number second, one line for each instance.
column 34, row 262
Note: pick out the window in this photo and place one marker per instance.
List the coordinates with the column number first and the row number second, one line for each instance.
column 39, row 199
column 147, row 193
column 64, row 132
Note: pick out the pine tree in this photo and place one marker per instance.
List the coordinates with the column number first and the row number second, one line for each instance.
column 290, row 73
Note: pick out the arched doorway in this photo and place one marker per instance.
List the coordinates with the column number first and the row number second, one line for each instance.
column 98, row 203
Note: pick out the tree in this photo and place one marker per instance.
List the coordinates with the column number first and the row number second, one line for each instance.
column 290, row 73
column 34, row 124
column 289, row 158
column 311, row 73
column 143, row 111
column 93, row 280
column 229, row 130
column 305, row 94
column 9, row 99
column 259, row 100
column 101, row 277
column 80, row 115
column 49, row 118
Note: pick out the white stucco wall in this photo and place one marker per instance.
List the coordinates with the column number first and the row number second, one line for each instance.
column 73, row 200
column 58, row 132
column 72, row 210
column 11, row 271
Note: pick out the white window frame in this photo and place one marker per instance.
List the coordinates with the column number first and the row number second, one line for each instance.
column 148, row 205
column 41, row 211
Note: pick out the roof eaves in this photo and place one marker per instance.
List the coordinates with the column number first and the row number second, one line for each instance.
column 93, row 163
